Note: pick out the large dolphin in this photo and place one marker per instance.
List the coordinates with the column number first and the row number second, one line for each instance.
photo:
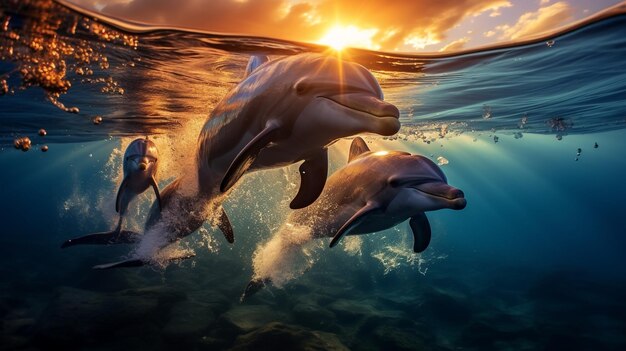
column 284, row 111
column 290, row 110
column 373, row 192
column 140, row 168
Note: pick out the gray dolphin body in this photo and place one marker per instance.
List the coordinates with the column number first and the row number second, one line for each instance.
column 140, row 168
column 373, row 192
column 290, row 110
column 283, row 112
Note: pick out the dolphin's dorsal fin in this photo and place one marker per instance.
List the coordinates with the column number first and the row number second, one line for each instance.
column 155, row 186
column 421, row 232
column 357, row 148
column 248, row 154
column 354, row 221
column 313, row 173
column 118, row 199
column 254, row 63
column 224, row 224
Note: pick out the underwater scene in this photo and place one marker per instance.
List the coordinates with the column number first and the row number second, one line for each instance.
column 176, row 189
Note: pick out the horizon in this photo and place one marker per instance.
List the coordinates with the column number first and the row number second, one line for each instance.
column 446, row 26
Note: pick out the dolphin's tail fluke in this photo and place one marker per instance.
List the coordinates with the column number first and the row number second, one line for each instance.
column 137, row 262
column 105, row 238
column 253, row 287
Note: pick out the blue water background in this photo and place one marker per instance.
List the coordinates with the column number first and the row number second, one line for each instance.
column 537, row 213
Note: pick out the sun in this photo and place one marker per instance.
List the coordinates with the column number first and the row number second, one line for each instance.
column 340, row 37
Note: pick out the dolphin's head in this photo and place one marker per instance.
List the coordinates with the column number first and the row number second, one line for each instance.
column 141, row 156
column 340, row 99
column 421, row 186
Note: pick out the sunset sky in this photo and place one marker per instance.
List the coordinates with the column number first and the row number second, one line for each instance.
column 388, row 25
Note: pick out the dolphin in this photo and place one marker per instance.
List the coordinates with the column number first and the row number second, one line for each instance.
column 283, row 112
column 291, row 110
column 373, row 192
column 140, row 168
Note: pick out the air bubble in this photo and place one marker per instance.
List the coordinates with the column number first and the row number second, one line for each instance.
column 22, row 143
column 486, row 111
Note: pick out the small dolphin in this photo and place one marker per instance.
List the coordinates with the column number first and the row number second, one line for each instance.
column 284, row 111
column 140, row 167
column 373, row 192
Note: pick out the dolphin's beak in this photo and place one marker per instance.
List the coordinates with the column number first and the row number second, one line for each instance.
column 366, row 102
column 143, row 165
column 455, row 197
column 383, row 116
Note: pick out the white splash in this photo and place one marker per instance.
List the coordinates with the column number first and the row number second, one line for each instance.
column 152, row 241
column 442, row 161
column 286, row 256
column 352, row 245
column 400, row 254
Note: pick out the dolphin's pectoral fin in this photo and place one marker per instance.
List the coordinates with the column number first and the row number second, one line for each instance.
column 136, row 262
column 118, row 199
column 155, row 186
column 313, row 173
column 357, row 148
column 354, row 221
column 248, row 154
column 224, row 225
column 421, row 232
column 253, row 287
column 104, row 238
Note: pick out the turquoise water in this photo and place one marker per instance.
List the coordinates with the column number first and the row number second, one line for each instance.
column 535, row 261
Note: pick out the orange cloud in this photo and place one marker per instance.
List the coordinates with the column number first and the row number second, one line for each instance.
column 456, row 45
column 397, row 24
column 544, row 19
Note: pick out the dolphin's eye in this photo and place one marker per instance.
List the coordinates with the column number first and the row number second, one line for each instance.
column 301, row 88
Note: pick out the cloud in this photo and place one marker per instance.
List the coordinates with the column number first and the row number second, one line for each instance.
column 544, row 19
column 398, row 23
column 456, row 45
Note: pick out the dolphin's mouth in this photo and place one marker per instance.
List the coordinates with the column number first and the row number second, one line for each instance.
column 366, row 103
column 455, row 197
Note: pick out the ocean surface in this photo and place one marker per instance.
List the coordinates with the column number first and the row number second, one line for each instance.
column 532, row 132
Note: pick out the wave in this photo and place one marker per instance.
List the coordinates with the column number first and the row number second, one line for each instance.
column 260, row 43
column 138, row 79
